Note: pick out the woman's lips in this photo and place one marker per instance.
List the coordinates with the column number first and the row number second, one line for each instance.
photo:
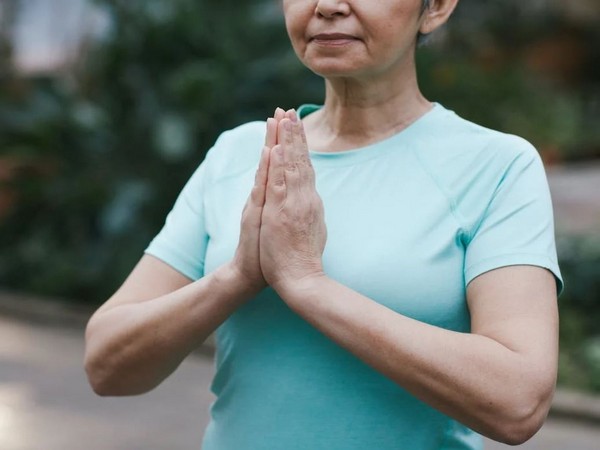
column 333, row 39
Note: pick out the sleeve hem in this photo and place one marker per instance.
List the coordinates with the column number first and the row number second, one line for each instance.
column 517, row 259
column 175, row 261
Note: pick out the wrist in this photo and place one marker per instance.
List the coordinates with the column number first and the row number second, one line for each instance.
column 297, row 289
column 238, row 286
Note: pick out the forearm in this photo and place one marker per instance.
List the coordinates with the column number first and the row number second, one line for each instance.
column 131, row 348
column 469, row 377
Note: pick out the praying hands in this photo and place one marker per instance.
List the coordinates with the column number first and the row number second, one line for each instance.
column 283, row 232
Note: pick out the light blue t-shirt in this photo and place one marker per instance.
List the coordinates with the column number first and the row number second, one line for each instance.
column 411, row 220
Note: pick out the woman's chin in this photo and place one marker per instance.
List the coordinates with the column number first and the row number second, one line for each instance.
column 336, row 70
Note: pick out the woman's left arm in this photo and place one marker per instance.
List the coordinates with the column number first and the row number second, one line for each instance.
column 498, row 380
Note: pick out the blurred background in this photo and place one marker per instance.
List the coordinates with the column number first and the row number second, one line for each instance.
column 108, row 106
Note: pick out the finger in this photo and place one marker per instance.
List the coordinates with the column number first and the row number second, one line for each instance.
column 260, row 181
column 279, row 114
column 301, row 155
column 300, row 150
column 291, row 114
column 263, row 167
column 286, row 140
column 276, row 187
column 291, row 172
column 271, row 137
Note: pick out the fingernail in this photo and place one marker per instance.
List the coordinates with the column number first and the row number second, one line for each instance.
column 287, row 125
column 294, row 115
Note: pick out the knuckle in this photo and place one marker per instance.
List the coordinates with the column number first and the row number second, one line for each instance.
column 279, row 183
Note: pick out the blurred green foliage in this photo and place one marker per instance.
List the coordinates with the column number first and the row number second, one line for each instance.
column 92, row 159
column 580, row 312
column 523, row 68
column 97, row 157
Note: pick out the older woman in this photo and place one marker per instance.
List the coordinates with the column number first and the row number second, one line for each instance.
column 393, row 281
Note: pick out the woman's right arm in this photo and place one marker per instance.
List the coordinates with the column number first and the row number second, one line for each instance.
column 157, row 317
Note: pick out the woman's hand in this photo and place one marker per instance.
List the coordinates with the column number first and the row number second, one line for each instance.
column 293, row 232
column 246, row 262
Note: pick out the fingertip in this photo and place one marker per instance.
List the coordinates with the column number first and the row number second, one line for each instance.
column 293, row 115
column 270, row 124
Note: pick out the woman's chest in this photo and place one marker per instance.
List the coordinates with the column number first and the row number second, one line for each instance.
column 393, row 239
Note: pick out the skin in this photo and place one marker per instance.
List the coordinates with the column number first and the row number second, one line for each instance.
column 499, row 379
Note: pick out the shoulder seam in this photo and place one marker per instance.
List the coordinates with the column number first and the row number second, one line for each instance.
column 449, row 199
column 511, row 163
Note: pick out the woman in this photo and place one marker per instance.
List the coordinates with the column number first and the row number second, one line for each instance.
column 392, row 288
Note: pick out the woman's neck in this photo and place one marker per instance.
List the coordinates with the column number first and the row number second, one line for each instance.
column 357, row 113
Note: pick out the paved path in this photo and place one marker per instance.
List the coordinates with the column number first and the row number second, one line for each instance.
column 46, row 404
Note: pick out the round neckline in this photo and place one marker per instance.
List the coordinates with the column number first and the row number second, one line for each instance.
column 376, row 149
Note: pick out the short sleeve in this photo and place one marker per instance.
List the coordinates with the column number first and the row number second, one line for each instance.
column 517, row 227
column 182, row 241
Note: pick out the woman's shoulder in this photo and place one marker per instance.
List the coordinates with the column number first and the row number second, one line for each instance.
column 469, row 161
column 456, row 151
column 458, row 138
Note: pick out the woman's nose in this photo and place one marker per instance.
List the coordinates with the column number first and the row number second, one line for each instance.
column 329, row 9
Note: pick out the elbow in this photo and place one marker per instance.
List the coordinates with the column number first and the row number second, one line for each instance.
column 103, row 361
column 96, row 367
column 108, row 381
column 97, row 379
column 111, row 373
column 518, row 433
column 522, row 421
column 105, row 370
column 100, row 377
